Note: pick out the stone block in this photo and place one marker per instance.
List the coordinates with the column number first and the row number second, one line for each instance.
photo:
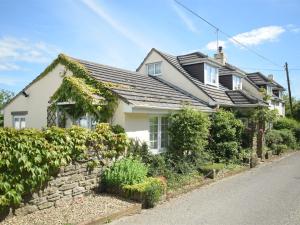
column 68, row 192
column 26, row 210
column 65, row 187
column 46, row 205
column 78, row 191
column 54, row 197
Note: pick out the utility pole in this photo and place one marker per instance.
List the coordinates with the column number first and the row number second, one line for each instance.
column 289, row 86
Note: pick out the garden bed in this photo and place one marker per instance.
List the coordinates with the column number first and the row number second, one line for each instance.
column 78, row 211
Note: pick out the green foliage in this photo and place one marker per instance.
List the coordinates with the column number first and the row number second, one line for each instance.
column 125, row 171
column 106, row 144
column 276, row 138
column 288, row 138
column 279, row 149
column 89, row 95
column 213, row 166
column 150, row 191
column 273, row 137
column 188, row 131
column 28, row 157
column 5, row 96
column 118, row 129
column 286, row 123
column 264, row 115
column 226, row 132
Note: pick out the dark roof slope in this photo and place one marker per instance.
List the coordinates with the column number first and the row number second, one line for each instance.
column 215, row 93
column 240, row 97
column 142, row 90
column 260, row 79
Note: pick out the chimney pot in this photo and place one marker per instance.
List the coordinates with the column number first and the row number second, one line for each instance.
column 271, row 77
column 220, row 56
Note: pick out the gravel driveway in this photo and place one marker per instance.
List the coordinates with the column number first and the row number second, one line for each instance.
column 267, row 195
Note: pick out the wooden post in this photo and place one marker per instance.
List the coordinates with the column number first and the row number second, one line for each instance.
column 289, row 86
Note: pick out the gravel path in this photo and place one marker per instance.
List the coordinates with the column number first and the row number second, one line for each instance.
column 267, row 195
column 72, row 212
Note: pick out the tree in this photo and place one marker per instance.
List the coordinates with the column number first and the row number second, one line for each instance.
column 5, row 96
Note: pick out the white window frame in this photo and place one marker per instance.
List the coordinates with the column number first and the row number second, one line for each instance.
column 159, row 149
column 206, row 75
column 236, row 85
column 90, row 121
column 269, row 90
column 155, row 64
column 19, row 117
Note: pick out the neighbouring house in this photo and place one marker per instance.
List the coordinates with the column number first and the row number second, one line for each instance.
column 273, row 89
column 162, row 84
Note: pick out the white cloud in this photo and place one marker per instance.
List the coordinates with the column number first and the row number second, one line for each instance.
column 8, row 66
column 96, row 8
column 22, row 50
column 9, row 81
column 212, row 46
column 293, row 28
column 185, row 19
column 259, row 36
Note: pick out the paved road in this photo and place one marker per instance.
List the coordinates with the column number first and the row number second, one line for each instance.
column 268, row 195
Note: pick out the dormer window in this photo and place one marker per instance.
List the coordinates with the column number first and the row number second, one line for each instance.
column 269, row 90
column 211, row 75
column 236, row 83
column 154, row 69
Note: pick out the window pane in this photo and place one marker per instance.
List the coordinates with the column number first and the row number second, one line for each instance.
column 16, row 123
column 157, row 68
column 150, row 69
column 23, row 123
column 164, row 132
column 83, row 122
column 153, row 133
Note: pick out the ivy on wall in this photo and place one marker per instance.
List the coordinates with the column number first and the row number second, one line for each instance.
column 89, row 95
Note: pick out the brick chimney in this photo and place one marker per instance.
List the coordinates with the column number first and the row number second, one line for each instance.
column 271, row 77
column 220, row 56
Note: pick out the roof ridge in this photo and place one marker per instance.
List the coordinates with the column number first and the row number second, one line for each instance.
column 107, row 66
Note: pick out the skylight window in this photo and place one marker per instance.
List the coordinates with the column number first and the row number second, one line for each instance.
column 211, row 75
column 154, row 69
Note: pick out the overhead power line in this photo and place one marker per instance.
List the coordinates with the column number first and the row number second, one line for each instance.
column 230, row 37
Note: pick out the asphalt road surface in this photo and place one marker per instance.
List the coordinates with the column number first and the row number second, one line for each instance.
column 267, row 195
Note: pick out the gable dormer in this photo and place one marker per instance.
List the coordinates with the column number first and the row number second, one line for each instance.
column 205, row 72
column 232, row 81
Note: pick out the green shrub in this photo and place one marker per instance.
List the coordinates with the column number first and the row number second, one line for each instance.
column 225, row 136
column 280, row 137
column 117, row 129
column 149, row 192
column 286, row 123
column 279, row 148
column 297, row 134
column 125, row 171
column 188, row 131
column 273, row 137
column 288, row 138
column 213, row 166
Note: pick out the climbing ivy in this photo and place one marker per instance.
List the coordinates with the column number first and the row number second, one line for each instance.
column 29, row 157
column 83, row 90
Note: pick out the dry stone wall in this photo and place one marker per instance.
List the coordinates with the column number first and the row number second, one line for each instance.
column 73, row 181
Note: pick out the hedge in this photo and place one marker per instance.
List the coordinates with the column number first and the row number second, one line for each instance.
column 29, row 157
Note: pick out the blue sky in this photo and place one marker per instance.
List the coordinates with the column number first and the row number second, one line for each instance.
column 120, row 33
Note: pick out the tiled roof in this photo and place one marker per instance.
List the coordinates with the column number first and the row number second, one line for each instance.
column 260, row 79
column 240, row 97
column 142, row 90
column 217, row 94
